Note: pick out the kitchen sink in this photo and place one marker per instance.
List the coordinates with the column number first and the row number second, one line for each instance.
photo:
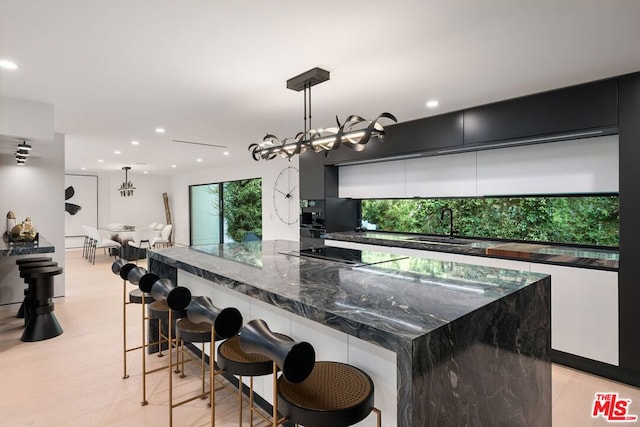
column 439, row 240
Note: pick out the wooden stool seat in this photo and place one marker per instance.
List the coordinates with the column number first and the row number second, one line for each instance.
column 188, row 331
column 159, row 310
column 335, row 394
column 232, row 359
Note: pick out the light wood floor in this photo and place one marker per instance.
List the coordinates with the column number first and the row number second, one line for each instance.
column 76, row 379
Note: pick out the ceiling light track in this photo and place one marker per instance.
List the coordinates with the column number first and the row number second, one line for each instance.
column 199, row 143
column 355, row 132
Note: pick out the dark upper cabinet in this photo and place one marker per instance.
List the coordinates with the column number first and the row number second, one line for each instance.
column 426, row 134
column 317, row 181
column 628, row 289
column 586, row 106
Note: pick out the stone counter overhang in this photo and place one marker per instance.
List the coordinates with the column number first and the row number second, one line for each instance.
column 488, row 327
column 570, row 256
column 26, row 248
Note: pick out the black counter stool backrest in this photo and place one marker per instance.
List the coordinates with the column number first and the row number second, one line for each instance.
column 295, row 359
column 219, row 324
column 42, row 323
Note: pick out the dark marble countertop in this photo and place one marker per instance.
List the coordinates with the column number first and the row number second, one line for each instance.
column 401, row 298
column 600, row 259
column 26, row 248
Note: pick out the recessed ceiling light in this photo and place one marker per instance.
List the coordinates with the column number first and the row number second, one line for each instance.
column 100, row 161
column 173, row 166
column 117, row 152
column 226, row 153
column 135, row 143
column 433, row 103
column 8, row 65
column 84, row 169
column 198, row 160
column 146, row 172
column 160, row 130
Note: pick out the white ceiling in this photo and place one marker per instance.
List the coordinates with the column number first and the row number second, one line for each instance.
column 214, row 71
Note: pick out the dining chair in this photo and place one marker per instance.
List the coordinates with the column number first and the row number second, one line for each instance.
column 99, row 241
column 142, row 239
column 163, row 240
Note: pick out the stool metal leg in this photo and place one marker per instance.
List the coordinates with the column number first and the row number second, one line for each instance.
column 251, row 401
column 275, row 395
column 144, row 358
column 124, row 329
column 240, row 399
column 202, row 369
column 212, row 369
column 378, row 416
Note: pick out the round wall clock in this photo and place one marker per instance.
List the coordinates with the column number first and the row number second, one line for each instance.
column 285, row 200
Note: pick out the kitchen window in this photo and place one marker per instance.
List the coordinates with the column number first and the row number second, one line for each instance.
column 575, row 219
column 225, row 212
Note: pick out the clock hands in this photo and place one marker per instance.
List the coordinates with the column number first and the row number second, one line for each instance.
column 286, row 195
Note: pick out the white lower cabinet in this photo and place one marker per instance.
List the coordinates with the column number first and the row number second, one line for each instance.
column 584, row 311
column 329, row 344
column 584, row 302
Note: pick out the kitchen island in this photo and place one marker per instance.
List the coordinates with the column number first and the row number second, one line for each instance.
column 445, row 343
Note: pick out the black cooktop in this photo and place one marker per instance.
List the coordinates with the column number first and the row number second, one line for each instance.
column 353, row 257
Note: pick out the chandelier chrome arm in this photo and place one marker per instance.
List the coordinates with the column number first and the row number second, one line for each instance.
column 354, row 133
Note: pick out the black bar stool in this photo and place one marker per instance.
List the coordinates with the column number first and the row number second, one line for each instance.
column 314, row 394
column 206, row 323
column 124, row 269
column 23, row 262
column 176, row 299
column 294, row 359
column 42, row 323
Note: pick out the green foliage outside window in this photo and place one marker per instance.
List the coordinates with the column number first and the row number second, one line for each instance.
column 584, row 220
column 242, row 208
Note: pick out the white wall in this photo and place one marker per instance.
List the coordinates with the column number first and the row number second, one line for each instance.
column 587, row 165
column 26, row 119
column 144, row 207
column 245, row 168
column 35, row 190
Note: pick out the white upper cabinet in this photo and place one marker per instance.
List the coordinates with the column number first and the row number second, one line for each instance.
column 372, row 181
column 577, row 166
column 442, row 176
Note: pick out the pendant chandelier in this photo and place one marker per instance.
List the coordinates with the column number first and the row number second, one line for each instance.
column 22, row 153
column 355, row 132
column 126, row 188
